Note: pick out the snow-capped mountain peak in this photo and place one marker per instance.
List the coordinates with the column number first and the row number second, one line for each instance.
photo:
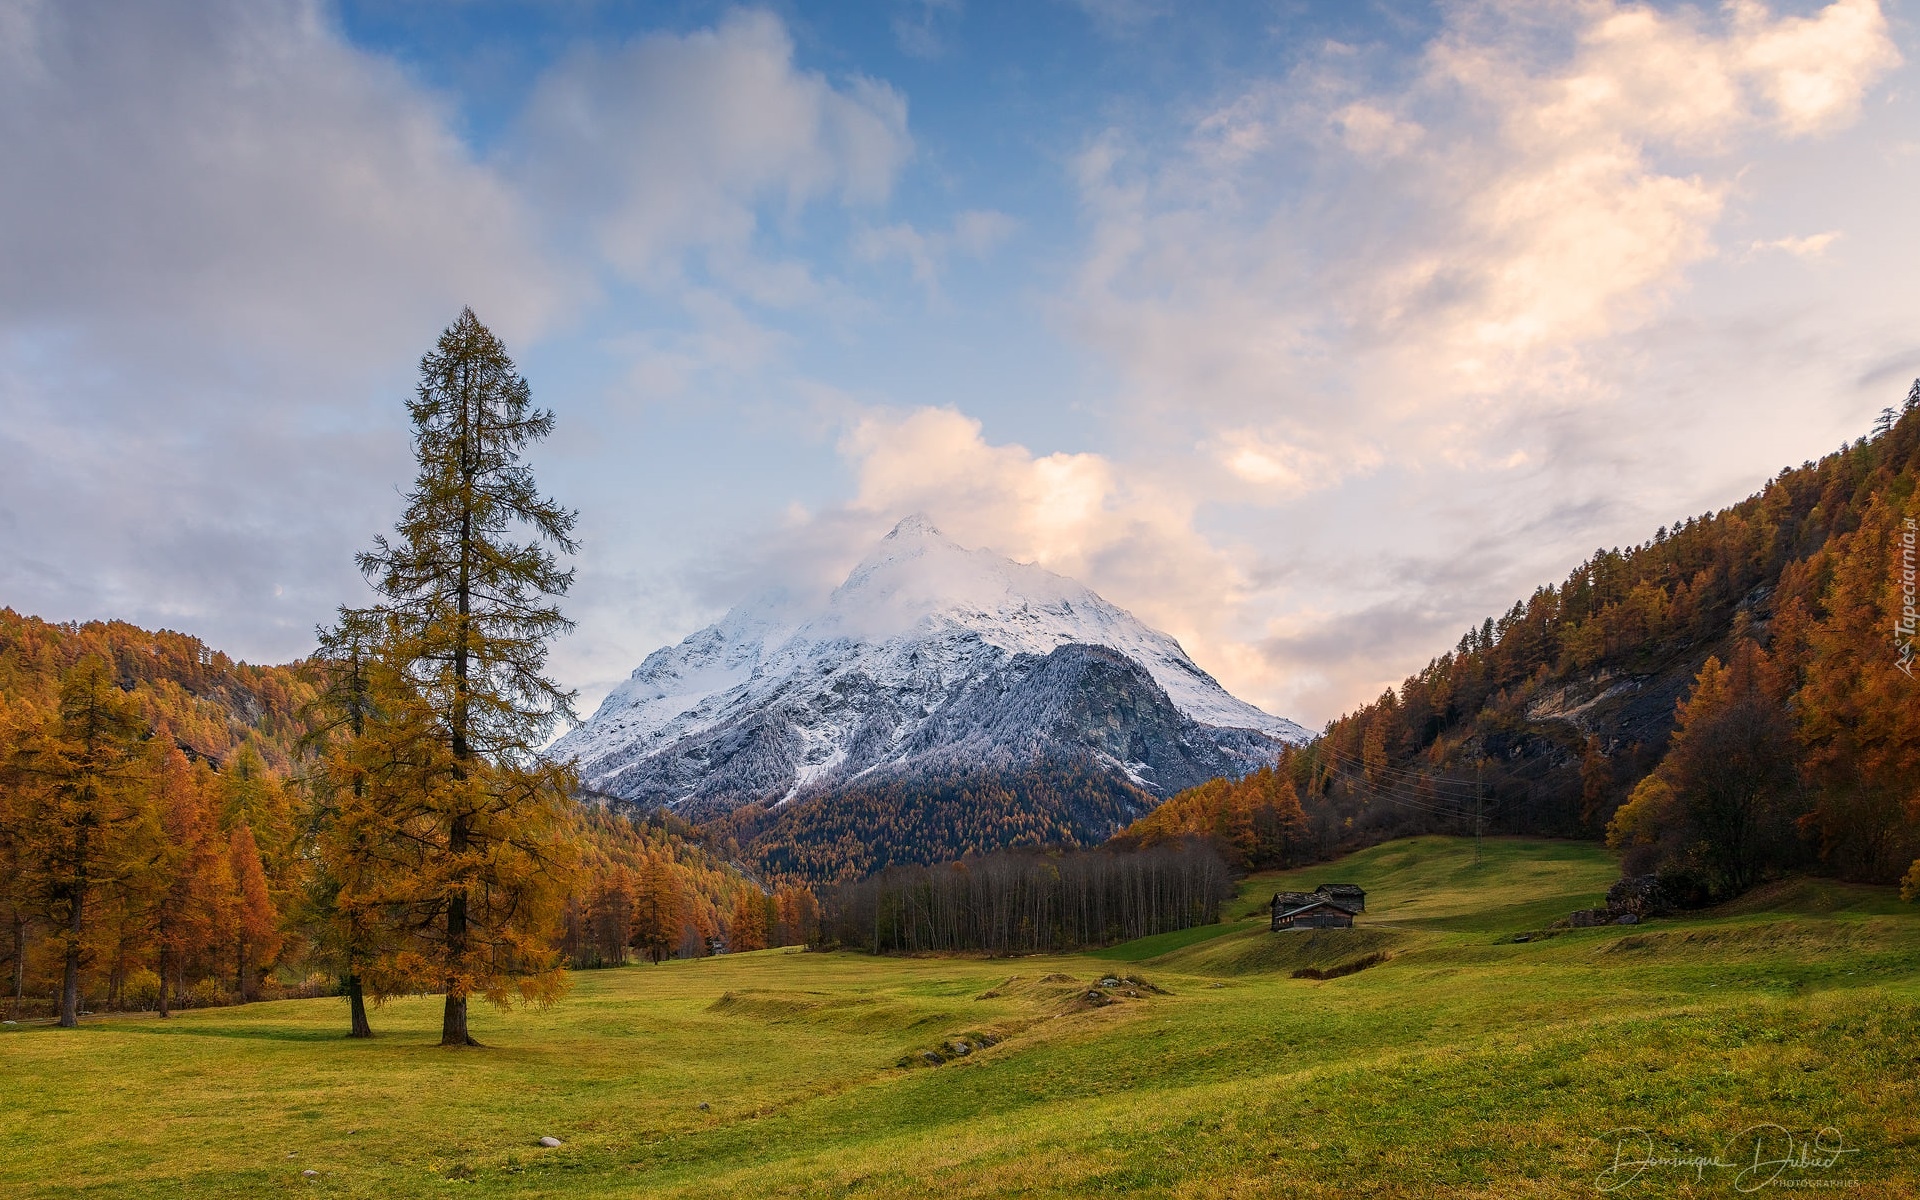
column 763, row 705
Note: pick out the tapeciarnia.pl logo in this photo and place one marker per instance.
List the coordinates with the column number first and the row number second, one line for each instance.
column 1908, row 622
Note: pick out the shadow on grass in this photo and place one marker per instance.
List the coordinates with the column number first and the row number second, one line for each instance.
column 257, row 1033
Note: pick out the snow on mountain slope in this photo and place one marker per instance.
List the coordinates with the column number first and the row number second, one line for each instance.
column 764, row 705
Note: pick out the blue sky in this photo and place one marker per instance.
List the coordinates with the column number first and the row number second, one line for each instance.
column 1312, row 333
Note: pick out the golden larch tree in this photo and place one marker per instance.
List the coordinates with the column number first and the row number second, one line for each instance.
column 467, row 586
column 80, row 808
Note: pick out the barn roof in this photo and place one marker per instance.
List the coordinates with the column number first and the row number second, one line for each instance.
column 1327, row 904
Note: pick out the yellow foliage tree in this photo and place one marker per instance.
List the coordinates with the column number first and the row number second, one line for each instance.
column 480, row 861
column 80, row 808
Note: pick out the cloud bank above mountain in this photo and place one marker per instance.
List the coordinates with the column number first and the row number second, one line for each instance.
column 1310, row 356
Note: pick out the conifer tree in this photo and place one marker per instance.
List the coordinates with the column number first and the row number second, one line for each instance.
column 185, row 910
column 256, row 930
column 467, row 585
column 748, row 929
column 16, row 900
column 79, row 807
column 349, row 822
column 657, row 908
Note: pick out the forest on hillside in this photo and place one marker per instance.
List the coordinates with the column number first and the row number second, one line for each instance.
column 1731, row 699
column 209, row 899
column 179, row 829
column 854, row 831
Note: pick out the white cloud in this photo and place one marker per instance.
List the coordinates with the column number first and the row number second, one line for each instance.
column 1812, row 246
column 222, row 233
column 975, row 233
column 1420, row 317
column 225, row 234
column 1815, row 70
column 674, row 143
column 1127, row 533
column 235, row 167
column 917, row 25
column 1282, row 466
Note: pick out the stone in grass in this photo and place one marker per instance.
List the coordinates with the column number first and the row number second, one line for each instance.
column 310, row 1173
column 549, row 1142
column 1110, row 981
column 705, row 1107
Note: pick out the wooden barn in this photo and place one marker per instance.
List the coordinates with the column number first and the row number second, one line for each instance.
column 1329, row 906
column 1349, row 896
column 1321, row 914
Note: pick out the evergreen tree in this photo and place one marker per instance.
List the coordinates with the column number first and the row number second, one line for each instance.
column 473, row 607
column 353, row 836
column 80, row 807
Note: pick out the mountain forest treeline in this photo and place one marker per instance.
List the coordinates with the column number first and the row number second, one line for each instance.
column 1026, row 902
column 1731, row 700
column 930, row 818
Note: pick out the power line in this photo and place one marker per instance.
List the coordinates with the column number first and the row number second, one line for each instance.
column 1388, row 768
column 1394, row 795
column 1467, row 789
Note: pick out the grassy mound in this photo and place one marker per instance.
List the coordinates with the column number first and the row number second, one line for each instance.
column 1260, row 951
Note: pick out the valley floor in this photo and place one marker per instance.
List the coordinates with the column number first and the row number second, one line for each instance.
column 1463, row 1064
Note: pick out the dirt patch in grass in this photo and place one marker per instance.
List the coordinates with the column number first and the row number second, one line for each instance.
column 1350, row 967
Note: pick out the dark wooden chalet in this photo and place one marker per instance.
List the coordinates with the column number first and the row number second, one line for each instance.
column 1321, row 914
column 1329, row 906
column 1349, row 896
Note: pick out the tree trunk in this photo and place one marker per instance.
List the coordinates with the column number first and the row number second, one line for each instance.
column 453, row 1025
column 357, row 1005
column 70, row 985
column 165, row 972
column 19, row 963
column 240, row 972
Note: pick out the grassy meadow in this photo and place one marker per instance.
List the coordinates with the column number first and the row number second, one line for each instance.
column 1466, row 1063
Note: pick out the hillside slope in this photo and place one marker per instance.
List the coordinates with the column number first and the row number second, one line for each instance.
column 1551, row 715
column 210, row 703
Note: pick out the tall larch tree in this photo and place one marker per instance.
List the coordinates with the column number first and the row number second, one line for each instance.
column 16, row 898
column 256, row 928
column 187, row 906
column 80, row 806
column 356, row 843
column 468, row 583
column 748, row 929
column 657, row 908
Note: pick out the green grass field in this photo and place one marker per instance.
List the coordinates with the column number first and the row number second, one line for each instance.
column 1465, row 1064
